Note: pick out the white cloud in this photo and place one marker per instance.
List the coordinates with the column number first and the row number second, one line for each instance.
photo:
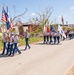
column 33, row 14
column 72, row 9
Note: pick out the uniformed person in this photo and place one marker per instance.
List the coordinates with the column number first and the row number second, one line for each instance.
column 8, row 43
column 70, row 35
column 11, row 44
column 58, row 37
column 45, row 36
column 54, row 36
column 4, row 43
column 27, row 35
column 15, row 44
column 51, row 35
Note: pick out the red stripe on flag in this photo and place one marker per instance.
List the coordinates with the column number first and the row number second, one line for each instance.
column 3, row 18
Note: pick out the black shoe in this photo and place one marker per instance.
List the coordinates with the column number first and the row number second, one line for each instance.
column 29, row 47
column 6, row 54
column 24, row 49
column 2, row 54
column 12, row 55
column 54, row 43
column 9, row 55
column 19, row 52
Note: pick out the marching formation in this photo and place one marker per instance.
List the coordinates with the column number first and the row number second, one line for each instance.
column 53, row 37
column 10, row 43
column 10, row 40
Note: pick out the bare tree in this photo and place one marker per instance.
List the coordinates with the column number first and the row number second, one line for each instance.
column 20, row 15
column 44, row 16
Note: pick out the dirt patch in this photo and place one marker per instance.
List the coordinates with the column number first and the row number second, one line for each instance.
column 71, row 71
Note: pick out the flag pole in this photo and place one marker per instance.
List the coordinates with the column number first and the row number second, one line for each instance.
column 62, row 19
column 3, row 23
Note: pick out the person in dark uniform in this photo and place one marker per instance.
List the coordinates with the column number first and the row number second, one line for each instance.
column 51, row 35
column 70, row 35
column 58, row 37
column 45, row 36
column 15, row 38
column 8, row 43
column 4, row 43
column 47, row 32
column 11, row 44
column 54, row 36
column 27, row 35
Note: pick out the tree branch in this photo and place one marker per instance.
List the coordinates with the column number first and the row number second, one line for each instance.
column 19, row 15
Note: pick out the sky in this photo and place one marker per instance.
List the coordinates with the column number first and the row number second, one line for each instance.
column 61, row 7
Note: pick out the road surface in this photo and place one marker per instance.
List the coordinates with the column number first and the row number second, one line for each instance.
column 40, row 60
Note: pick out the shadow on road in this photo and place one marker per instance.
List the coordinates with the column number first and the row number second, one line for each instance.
column 47, row 44
column 2, row 56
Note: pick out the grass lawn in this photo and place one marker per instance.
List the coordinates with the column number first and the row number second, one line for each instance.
column 31, row 40
column 1, row 45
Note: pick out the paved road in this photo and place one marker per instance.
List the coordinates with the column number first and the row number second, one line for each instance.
column 40, row 60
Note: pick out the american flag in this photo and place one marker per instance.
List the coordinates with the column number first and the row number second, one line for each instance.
column 3, row 15
column 8, row 23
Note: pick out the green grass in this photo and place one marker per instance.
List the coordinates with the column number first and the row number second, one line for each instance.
column 31, row 40
column 1, row 44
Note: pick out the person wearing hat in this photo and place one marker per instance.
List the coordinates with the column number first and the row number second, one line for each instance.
column 4, row 43
column 27, row 35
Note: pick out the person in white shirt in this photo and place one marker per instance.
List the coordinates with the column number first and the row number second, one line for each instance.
column 11, row 44
column 15, row 44
column 4, row 43
column 8, row 43
column 58, row 37
column 45, row 35
column 27, row 35
column 54, row 36
column 51, row 35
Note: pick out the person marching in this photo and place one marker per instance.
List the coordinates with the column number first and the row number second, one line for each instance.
column 11, row 44
column 51, row 35
column 47, row 32
column 8, row 43
column 15, row 44
column 45, row 35
column 27, row 35
column 58, row 37
column 54, row 36
column 70, row 35
column 4, row 43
